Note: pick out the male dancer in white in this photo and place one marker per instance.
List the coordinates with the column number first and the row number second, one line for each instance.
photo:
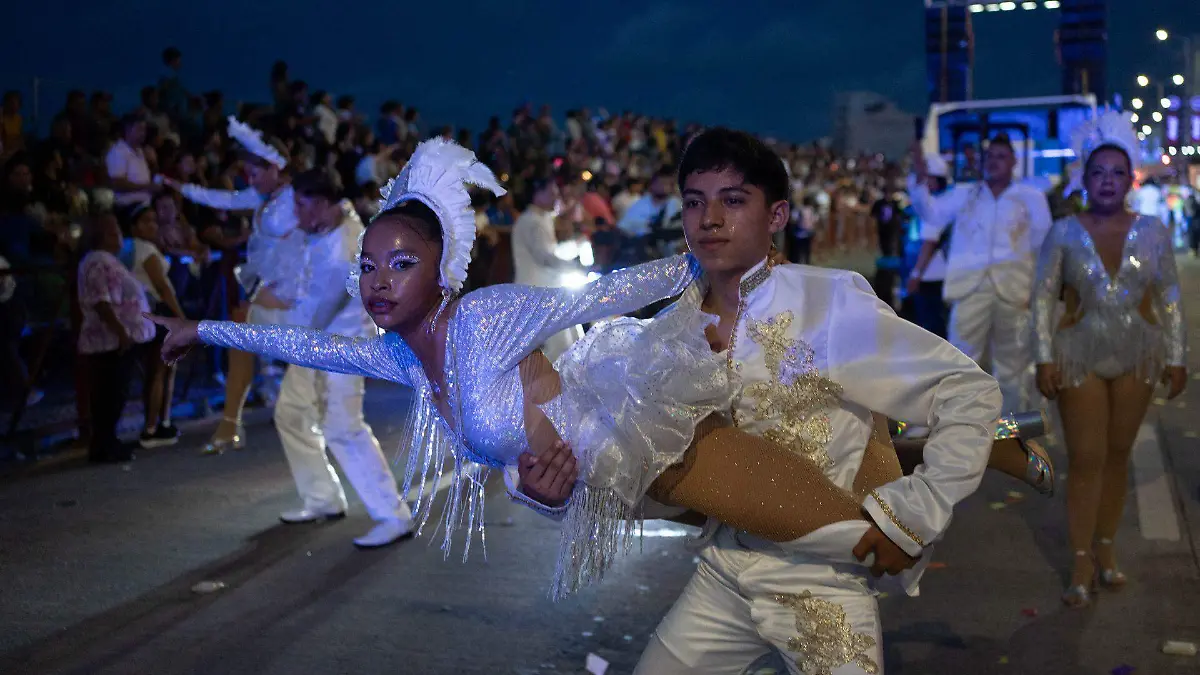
column 266, row 277
column 534, row 262
column 317, row 409
column 999, row 226
column 817, row 352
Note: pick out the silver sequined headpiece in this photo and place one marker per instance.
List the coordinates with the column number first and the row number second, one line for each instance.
column 1112, row 128
column 437, row 175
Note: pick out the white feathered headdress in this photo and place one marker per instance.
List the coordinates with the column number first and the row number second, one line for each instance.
column 252, row 140
column 1112, row 128
column 437, row 175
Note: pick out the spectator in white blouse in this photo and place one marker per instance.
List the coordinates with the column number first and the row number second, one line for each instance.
column 128, row 173
column 150, row 268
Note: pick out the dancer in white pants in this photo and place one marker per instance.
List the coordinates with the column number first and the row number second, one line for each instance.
column 316, row 409
column 998, row 230
column 816, row 352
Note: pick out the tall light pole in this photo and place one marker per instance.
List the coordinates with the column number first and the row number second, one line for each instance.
column 1186, row 78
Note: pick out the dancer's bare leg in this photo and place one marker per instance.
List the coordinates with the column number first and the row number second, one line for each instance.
column 237, row 385
column 1129, row 397
column 1008, row 457
column 1085, row 411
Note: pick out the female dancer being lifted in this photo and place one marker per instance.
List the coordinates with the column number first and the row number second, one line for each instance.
column 485, row 394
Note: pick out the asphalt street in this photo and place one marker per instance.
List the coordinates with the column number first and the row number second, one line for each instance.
column 99, row 565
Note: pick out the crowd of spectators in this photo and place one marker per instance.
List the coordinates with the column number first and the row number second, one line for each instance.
column 609, row 168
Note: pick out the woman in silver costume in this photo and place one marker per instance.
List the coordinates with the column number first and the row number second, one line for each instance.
column 1122, row 332
column 485, row 395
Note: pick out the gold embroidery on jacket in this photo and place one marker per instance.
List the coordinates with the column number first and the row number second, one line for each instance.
column 798, row 395
column 826, row 641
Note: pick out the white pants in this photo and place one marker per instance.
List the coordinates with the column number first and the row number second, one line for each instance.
column 316, row 409
column 989, row 329
column 741, row 605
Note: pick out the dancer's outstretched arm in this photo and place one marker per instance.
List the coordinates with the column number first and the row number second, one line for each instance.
column 524, row 317
column 222, row 200
column 385, row 358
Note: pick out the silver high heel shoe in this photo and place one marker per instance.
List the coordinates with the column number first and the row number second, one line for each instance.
column 1039, row 470
column 1079, row 595
column 1112, row 578
column 217, row 446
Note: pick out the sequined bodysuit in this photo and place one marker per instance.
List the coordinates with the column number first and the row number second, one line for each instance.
column 490, row 332
column 1108, row 336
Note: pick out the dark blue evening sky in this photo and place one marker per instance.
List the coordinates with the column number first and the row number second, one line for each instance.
column 770, row 67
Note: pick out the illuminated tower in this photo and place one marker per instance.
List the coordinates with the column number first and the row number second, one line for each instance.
column 1083, row 47
column 949, row 51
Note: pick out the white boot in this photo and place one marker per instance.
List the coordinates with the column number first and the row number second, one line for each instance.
column 385, row 532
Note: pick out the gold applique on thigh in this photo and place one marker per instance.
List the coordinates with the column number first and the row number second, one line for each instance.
column 826, row 640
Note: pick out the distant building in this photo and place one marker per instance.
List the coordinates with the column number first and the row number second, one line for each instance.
column 865, row 122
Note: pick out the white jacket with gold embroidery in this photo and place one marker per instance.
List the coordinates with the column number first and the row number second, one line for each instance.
column 817, row 351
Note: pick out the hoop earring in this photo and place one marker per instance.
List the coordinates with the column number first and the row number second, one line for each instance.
column 447, row 296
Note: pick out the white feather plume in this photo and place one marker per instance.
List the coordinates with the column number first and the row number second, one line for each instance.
column 252, row 140
column 437, row 175
column 1112, row 128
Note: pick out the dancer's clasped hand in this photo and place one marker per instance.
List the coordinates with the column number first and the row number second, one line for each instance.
column 1175, row 379
column 1049, row 380
column 181, row 335
column 549, row 477
column 889, row 557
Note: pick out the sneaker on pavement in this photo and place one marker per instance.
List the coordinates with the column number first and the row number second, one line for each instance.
column 384, row 533
column 166, row 434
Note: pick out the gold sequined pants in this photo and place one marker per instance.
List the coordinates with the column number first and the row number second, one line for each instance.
column 758, row 486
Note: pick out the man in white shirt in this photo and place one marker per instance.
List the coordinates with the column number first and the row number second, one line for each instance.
column 316, row 409
column 535, row 263
column 926, row 280
column 1148, row 200
column 999, row 226
column 128, row 173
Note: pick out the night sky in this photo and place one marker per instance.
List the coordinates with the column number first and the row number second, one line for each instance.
column 770, row 67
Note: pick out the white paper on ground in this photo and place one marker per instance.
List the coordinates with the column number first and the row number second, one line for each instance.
column 596, row 665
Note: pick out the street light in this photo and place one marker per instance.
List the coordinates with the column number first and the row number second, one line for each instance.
column 1143, row 81
column 1136, row 103
column 1157, row 116
column 1162, row 35
column 1146, row 129
column 1134, row 118
column 1141, row 136
column 1178, row 80
column 1164, row 102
